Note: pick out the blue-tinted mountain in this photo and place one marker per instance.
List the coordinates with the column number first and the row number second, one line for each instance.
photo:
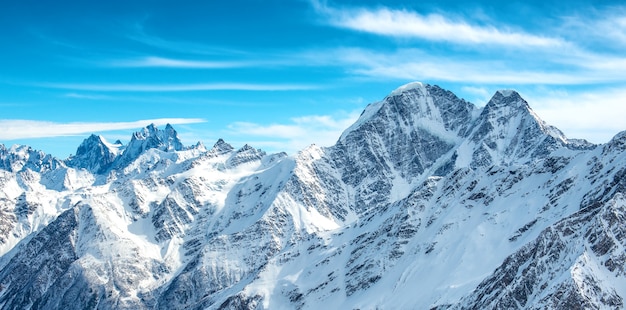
column 426, row 202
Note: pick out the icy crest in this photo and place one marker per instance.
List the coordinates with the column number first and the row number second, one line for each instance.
column 407, row 87
column 149, row 137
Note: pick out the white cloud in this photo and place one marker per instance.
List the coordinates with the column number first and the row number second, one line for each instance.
column 160, row 62
column 415, row 64
column 481, row 95
column 256, row 60
column 28, row 129
column 138, row 34
column 86, row 96
column 478, row 91
column 593, row 115
column 178, row 87
column 605, row 27
column 574, row 53
column 433, row 27
column 300, row 132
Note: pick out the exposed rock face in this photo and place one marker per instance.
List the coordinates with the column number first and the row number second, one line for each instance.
column 568, row 266
column 94, row 154
column 425, row 202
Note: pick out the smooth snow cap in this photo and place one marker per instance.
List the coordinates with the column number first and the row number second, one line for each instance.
column 406, row 87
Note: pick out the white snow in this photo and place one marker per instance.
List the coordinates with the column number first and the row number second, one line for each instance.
column 406, row 87
column 457, row 228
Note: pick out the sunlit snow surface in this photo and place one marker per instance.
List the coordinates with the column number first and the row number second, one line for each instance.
column 426, row 201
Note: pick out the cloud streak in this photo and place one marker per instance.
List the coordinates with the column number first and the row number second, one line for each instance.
column 161, row 62
column 300, row 132
column 499, row 54
column 144, row 88
column 596, row 116
column 416, row 64
column 432, row 27
column 29, row 129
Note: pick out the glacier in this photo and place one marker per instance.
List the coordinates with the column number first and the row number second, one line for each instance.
column 425, row 202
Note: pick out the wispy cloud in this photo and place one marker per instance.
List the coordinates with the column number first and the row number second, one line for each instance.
column 593, row 115
column 138, row 33
column 300, row 132
column 160, row 62
column 416, row 64
column 28, row 129
column 178, row 87
column 432, row 27
column 85, row 96
column 481, row 94
column 598, row 26
column 567, row 51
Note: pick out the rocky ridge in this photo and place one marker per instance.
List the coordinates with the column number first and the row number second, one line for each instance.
column 425, row 202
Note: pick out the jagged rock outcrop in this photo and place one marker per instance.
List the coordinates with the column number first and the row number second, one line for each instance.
column 95, row 154
column 576, row 263
column 21, row 157
column 149, row 137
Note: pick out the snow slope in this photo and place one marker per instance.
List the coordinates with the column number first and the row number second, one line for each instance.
column 425, row 202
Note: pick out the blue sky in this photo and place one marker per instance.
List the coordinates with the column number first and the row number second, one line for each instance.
column 280, row 75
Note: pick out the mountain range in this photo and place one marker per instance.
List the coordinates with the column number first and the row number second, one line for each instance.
column 425, row 202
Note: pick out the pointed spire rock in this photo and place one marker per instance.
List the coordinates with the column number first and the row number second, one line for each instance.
column 199, row 146
column 509, row 132
column 222, row 147
column 95, row 154
column 617, row 143
column 508, row 98
column 245, row 154
column 149, row 137
column 22, row 157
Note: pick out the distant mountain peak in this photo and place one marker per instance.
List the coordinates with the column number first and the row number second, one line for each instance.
column 508, row 98
column 22, row 157
column 94, row 154
column 245, row 154
column 222, row 147
column 618, row 142
column 150, row 137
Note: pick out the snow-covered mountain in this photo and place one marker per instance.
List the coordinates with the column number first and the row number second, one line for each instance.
column 425, row 202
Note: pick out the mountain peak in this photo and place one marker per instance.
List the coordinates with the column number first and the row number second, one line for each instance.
column 618, row 142
column 245, row 154
column 508, row 131
column 222, row 147
column 94, row 154
column 166, row 140
column 21, row 157
column 508, row 92
column 419, row 106
column 509, row 98
column 407, row 87
column 150, row 137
